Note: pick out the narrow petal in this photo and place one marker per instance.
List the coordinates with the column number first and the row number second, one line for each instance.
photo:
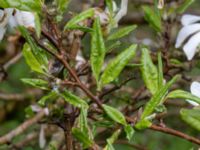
column 195, row 90
column 185, row 32
column 123, row 10
column 191, row 46
column 189, row 19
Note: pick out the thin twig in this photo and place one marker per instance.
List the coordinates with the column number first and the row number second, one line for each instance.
column 21, row 128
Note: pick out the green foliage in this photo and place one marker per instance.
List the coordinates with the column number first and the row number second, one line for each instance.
column 39, row 83
column 112, row 139
column 183, row 95
column 192, row 117
column 122, row 32
column 27, row 5
column 73, row 99
column 31, row 59
column 49, row 96
column 129, row 132
column 149, row 71
column 97, row 49
column 80, row 17
column 82, row 137
column 116, row 65
column 115, row 114
column 182, row 8
column 152, row 18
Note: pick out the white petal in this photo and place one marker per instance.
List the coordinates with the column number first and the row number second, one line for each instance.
column 195, row 90
column 25, row 18
column 189, row 19
column 42, row 139
column 185, row 32
column 123, row 10
column 191, row 46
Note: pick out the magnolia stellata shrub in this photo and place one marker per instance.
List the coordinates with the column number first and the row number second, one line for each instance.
column 92, row 80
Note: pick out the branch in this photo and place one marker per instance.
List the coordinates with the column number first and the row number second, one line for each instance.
column 20, row 129
column 175, row 133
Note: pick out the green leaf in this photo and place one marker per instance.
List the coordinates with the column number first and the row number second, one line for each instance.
column 80, row 17
column 157, row 98
column 36, row 83
column 182, row 8
column 39, row 53
column 51, row 95
column 192, row 117
column 73, row 99
column 26, row 5
column 97, row 49
column 183, row 95
column 82, row 137
column 143, row 124
column 122, row 32
column 81, row 28
column 31, row 60
column 115, row 66
column 129, row 132
column 109, row 4
column 149, row 71
column 37, row 24
column 152, row 18
column 114, row 114
column 160, row 70
column 112, row 139
column 62, row 5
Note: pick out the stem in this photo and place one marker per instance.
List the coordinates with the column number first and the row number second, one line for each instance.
column 68, row 135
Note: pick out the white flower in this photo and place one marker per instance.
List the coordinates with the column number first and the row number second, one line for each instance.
column 195, row 90
column 190, row 33
column 12, row 17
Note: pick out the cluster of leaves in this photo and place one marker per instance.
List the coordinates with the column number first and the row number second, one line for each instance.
column 152, row 75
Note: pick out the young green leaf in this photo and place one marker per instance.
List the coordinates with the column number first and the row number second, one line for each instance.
column 192, row 117
column 129, row 131
column 122, row 32
column 116, row 65
column 149, row 71
column 36, row 83
column 31, row 60
column 152, row 18
column 73, row 99
column 157, row 98
column 26, row 5
column 38, row 53
column 112, row 139
column 183, row 95
column 115, row 114
column 143, row 124
column 182, row 8
column 160, row 70
column 80, row 17
column 62, row 5
column 82, row 137
column 97, row 49
column 51, row 95
column 37, row 24
column 109, row 4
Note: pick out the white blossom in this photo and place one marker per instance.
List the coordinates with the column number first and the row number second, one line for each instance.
column 13, row 17
column 195, row 90
column 189, row 35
